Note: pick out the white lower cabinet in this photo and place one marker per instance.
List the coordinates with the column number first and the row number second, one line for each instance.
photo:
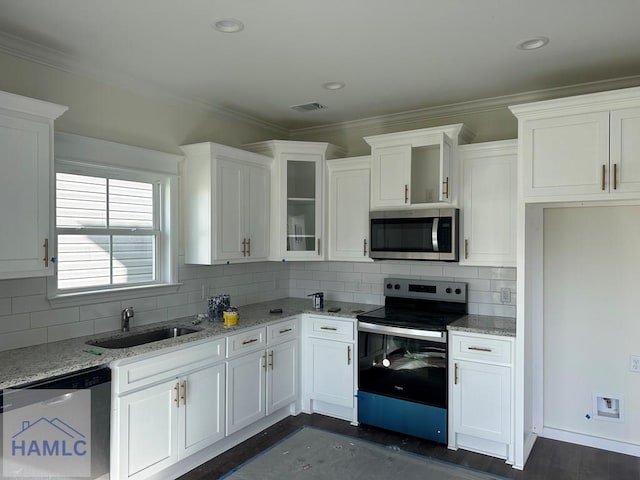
column 161, row 422
column 330, row 366
column 264, row 380
column 481, row 394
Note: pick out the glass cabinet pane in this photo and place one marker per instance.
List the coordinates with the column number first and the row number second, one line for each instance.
column 301, row 206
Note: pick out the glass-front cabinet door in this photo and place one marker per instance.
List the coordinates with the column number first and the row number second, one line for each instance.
column 303, row 226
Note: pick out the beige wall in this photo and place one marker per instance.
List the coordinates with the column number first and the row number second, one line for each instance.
column 110, row 113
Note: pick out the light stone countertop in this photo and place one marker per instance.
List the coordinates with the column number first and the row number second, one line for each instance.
column 485, row 324
column 29, row 364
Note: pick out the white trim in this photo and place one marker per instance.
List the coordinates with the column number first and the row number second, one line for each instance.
column 31, row 106
column 592, row 441
column 125, row 293
column 102, row 153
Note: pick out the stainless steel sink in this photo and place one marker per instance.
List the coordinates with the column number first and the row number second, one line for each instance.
column 135, row 339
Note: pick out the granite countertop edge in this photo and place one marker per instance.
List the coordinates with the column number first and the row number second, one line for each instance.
column 486, row 325
column 29, row 364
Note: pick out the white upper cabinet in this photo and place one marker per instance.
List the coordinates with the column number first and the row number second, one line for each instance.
column 581, row 148
column 26, row 159
column 415, row 168
column 226, row 211
column 297, row 186
column 348, row 209
column 489, row 189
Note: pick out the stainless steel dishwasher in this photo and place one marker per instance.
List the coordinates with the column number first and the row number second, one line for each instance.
column 47, row 397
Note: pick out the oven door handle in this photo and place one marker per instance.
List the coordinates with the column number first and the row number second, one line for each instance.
column 402, row 332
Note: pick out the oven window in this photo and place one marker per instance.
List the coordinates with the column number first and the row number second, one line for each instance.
column 405, row 368
column 409, row 234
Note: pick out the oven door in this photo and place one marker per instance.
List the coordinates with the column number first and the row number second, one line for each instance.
column 411, row 369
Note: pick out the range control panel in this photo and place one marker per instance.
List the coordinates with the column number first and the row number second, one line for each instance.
column 426, row 289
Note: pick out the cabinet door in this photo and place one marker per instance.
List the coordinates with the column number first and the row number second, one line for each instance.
column 302, row 179
column 625, row 150
column 282, row 375
column 332, row 373
column 24, row 197
column 482, row 400
column 202, row 411
column 349, row 215
column 245, row 390
column 489, row 205
column 229, row 197
column 390, row 176
column 566, row 156
column 257, row 211
column 148, row 426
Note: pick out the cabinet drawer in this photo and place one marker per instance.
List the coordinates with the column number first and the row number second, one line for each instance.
column 246, row 341
column 166, row 365
column 481, row 348
column 282, row 331
column 335, row 328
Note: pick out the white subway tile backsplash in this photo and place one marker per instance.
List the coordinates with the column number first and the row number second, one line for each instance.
column 29, row 303
column 424, row 270
column 498, row 310
column 5, row 306
column 395, row 269
column 55, row 317
column 301, row 274
column 368, row 298
column 23, row 338
column 102, row 325
column 140, row 304
column 460, row 272
column 14, row 323
column 339, row 296
column 377, row 278
column 316, row 266
column 494, row 273
column 99, row 310
column 366, row 267
column 74, row 330
column 172, row 300
column 349, row 277
column 22, row 287
column 341, row 266
column 325, row 276
column 335, row 286
column 148, row 317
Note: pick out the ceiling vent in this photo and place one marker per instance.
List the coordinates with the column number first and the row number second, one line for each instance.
column 309, row 107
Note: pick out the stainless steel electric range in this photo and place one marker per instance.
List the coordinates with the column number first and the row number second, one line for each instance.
column 402, row 357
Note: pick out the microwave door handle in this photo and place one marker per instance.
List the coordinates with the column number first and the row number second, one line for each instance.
column 434, row 234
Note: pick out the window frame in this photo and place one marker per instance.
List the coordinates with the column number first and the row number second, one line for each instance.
column 87, row 156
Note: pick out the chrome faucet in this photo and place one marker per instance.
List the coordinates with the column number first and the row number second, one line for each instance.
column 127, row 314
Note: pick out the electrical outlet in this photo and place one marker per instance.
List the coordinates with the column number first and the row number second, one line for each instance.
column 634, row 363
column 505, row 295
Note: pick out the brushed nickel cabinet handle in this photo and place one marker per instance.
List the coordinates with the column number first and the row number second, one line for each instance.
column 46, row 252
column 264, row 358
column 481, row 349
column 365, row 247
column 446, row 187
column 333, row 329
column 244, row 247
column 603, row 175
column 318, row 246
column 615, row 176
column 285, row 330
column 348, row 354
column 247, row 342
column 183, row 392
column 406, row 193
column 248, row 247
column 176, row 398
column 466, row 248
column 271, row 359
column 455, row 375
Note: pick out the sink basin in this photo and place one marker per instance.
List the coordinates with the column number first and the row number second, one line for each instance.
column 135, row 339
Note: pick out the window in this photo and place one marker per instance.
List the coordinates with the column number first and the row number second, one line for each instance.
column 108, row 231
column 115, row 221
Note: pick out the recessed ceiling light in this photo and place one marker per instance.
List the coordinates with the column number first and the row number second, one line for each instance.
column 228, row 25
column 533, row 43
column 333, row 85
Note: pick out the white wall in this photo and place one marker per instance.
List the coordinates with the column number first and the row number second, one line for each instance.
column 363, row 282
column 591, row 317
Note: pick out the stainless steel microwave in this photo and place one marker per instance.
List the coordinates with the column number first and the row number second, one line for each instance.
column 428, row 234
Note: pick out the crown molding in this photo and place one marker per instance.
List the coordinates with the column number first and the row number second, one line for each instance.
column 37, row 53
column 474, row 106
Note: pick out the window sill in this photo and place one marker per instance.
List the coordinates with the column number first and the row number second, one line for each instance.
column 126, row 293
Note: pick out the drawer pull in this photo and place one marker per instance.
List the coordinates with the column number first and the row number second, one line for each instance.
column 481, row 349
column 348, row 354
column 455, row 375
column 183, row 394
column 264, row 357
column 406, row 193
column 333, row 329
column 615, row 176
column 247, row 342
column 176, row 398
column 285, row 330
column 603, row 176
column 271, row 359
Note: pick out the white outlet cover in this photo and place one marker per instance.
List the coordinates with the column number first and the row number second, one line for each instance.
column 634, row 363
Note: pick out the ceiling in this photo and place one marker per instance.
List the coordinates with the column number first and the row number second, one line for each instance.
column 393, row 56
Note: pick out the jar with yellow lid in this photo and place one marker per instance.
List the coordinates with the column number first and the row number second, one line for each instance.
column 230, row 317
